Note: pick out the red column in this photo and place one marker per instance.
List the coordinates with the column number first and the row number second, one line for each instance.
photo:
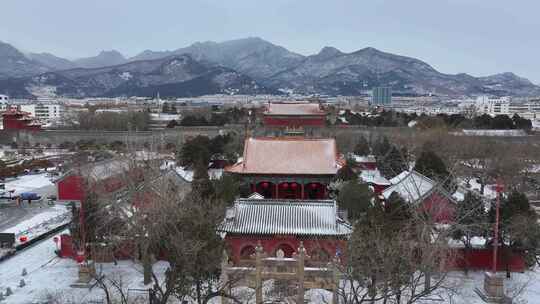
column 302, row 188
column 277, row 191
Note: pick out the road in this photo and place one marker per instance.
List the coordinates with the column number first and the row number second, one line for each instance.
column 11, row 216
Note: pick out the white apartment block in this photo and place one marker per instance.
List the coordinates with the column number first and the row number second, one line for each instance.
column 3, row 102
column 505, row 106
column 44, row 112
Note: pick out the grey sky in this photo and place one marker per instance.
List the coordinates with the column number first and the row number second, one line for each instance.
column 479, row 37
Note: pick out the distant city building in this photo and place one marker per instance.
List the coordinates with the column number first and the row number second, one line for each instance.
column 44, row 112
column 3, row 102
column 381, row 96
column 505, row 106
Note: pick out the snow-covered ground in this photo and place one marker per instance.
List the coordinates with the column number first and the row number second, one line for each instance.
column 489, row 190
column 28, row 183
column 38, row 219
column 49, row 275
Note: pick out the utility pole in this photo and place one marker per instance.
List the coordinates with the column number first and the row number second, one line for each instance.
column 498, row 189
column 494, row 284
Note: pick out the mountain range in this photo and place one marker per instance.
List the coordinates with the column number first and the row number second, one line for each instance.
column 243, row 66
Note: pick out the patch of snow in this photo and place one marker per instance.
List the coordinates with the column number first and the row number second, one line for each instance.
column 49, row 275
column 126, row 76
column 28, row 183
column 373, row 177
column 37, row 219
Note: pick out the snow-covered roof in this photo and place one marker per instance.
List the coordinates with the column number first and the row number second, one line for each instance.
column 373, row 177
column 99, row 170
column 410, row 185
column 255, row 195
column 290, row 217
column 288, row 156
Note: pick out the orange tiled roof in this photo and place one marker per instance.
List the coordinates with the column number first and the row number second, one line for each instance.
column 293, row 109
column 294, row 155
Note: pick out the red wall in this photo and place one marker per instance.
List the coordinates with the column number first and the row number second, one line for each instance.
column 439, row 207
column 311, row 121
column 70, row 188
column 17, row 122
column 482, row 259
column 271, row 244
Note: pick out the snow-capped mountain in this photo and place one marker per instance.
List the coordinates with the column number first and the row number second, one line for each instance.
column 254, row 57
column 175, row 76
column 330, row 71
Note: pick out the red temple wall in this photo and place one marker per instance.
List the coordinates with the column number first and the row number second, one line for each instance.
column 15, row 122
column 440, row 208
column 70, row 188
column 271, row 244
column 482, row 259
column 291, row 190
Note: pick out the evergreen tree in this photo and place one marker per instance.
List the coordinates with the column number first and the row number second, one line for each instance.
column 471, row 221
column 346, row 173
column 518, row 228
column 502, row 122
column 381, row 147
column 392, row 163
column 227, row 189
column 201, row 181
column 194, row 150
column 362, row 146
column 355, row 198
column 431, row 165
column 522, row 123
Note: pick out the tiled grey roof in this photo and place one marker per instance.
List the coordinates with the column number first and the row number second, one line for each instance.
column 288, row 217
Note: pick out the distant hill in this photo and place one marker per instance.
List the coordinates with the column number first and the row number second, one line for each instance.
column 103, row 59
column 176, row 76
column 14, row 63
column 268, row 67
column 254, row 57
column 51, row 61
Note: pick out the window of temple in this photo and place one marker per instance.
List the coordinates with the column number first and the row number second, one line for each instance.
column 287, row 250
column 313, row 191
column 266, row 189
column 247, row 252
column 290, row 190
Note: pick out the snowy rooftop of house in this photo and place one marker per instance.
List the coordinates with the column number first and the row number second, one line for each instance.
column 410, row 185
column 291, row 217
column 373, row 177
column 294, row 109
column 100, row 170
column 288, row 156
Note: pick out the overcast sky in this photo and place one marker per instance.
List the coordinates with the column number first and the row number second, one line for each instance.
column 479, row 37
